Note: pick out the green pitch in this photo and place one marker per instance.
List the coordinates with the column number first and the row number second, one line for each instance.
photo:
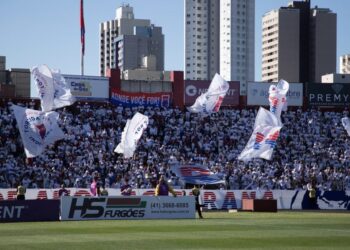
column 242, row 230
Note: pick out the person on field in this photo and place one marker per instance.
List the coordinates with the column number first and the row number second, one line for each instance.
column 21, row 191
column 104, row 191
column 95, row 187
column 163, row 188
column 126, row 189
column 63, row 191
column 196, row 193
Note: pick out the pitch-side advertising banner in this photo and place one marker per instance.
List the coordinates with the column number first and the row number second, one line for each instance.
column 193, row 89
column 258, row 94
column 29, row 210
column 127, row 207
column 215, row 199
column 88, row 87
column 130, row 99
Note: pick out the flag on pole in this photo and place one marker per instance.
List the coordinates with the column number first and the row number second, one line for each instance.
column 38, row 129
column 346, row 124
column 131, row 134
column 264, row 137
column 210, row 101
column 82, row 27
column 277, row 97
column 52, row 87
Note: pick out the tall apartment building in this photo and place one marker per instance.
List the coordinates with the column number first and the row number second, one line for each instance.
column 298, row 43
column 124, row 24
column 344, row 64
column 219, row 38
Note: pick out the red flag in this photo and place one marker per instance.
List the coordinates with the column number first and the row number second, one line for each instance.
column 82, row 27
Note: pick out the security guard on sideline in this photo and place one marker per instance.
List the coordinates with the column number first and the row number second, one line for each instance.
column 21, row 191
column 196, row 193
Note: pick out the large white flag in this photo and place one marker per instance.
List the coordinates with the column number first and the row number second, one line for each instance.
column 52, row 87
column 38, row 129
column 346, row 124
column 264, row 137
column 211, row 100
column 131, row 134
column 277, row 97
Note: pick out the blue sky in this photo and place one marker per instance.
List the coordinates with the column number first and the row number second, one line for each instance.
column 34, row 32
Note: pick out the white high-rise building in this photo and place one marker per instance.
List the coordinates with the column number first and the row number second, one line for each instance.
column 344, row 64
column 219, row 38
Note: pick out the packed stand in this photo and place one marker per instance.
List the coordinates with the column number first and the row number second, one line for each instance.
column 313, row 145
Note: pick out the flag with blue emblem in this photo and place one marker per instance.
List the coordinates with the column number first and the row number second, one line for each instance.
column 210, row 101
column 196, row 174
column 264, row 137
column 38, row 129
column 277, row 97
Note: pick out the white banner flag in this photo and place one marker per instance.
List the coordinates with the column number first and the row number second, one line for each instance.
column 277, row 97
column 131, row 134
column 346, row 124
column 38, row 129
column 52, row 87
column 264, row 137
column 211, row 100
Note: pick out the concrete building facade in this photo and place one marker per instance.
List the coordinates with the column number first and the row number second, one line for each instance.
column 299, row 43
column 124, row 24
column 219, row 38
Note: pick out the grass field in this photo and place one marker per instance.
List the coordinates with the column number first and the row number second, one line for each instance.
column 219, row 230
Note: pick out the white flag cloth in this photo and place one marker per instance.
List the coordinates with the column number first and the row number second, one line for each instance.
column 264, row 137
column 211, row 100
column 277, row 97
column 346, row 124
column 131, row 134
column 52, row 87
column 38, row 129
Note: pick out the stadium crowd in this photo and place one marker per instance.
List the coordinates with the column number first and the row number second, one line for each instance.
column 313, row 146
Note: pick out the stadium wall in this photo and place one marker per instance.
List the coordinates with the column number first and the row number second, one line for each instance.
column 218, row 199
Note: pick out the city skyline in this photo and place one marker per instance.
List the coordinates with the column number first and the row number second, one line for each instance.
column 48, row 32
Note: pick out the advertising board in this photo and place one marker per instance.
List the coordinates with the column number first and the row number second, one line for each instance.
column 324, row 94
column 194, row 88
column 258, row 94
column 131, row 99
column 121, row 208
column 88, row 87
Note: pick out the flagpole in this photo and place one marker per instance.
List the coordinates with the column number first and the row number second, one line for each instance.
column 82, row 35
column 82, row 64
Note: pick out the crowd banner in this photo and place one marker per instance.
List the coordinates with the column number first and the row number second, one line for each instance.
column 127, row 207
column 196, row 174
column 258, row 94
column 328, row 94
column 130, row 99
column 194, row 88
column 88, row 87
column 29, row 210
column 214, row 199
